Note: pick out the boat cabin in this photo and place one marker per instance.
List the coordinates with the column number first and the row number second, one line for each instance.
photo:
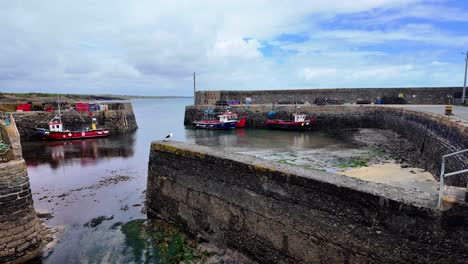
column 224, row 118
column 299, row 117
column 227, row 117
column 56, row 125
column 231, row 115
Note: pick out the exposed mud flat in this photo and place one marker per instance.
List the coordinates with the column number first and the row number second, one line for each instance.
column 369, row 154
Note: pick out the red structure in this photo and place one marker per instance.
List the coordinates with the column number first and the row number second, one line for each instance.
column 82, row 107
column 23, row 107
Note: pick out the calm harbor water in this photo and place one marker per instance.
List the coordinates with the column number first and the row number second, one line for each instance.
column 81, row 180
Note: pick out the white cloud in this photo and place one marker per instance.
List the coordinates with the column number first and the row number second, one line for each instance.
column 152, row 47
column 317, row 73
column 237, row 48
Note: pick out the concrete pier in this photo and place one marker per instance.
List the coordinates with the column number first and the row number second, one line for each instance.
column 20, row 238
column 278, row 213
column 410, row 95
column 119, row 119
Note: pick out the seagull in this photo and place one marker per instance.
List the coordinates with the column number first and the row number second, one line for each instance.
column 168, row 136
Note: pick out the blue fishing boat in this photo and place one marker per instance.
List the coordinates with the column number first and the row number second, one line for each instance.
column 224, row 121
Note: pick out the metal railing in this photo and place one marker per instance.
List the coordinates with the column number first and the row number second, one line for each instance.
column 444, row 175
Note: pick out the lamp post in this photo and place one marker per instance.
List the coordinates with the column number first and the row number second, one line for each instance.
column 194, row 90
column 464, row 84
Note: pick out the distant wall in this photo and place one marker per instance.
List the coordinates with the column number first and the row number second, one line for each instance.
column 433, row 135
column 277, row 213
column 20, row 238
column 429, row 95
column 119, row 119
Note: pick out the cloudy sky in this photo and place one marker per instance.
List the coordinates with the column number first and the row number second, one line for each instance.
column 153, row 47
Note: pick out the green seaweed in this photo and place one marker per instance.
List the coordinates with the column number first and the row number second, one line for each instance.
column 155, row 242
column 353, row 162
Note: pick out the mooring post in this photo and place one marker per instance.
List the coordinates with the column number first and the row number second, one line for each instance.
column 464, row 83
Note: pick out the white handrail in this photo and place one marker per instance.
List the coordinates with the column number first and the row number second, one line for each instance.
column 443, row 175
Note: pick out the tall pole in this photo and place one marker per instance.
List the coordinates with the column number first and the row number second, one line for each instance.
column 194, row 89
column 464, row 84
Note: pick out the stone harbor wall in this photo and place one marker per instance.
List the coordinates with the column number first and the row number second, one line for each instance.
column 20, row 238
column 278, row 213
column 119, row 119
column 433, row 135
column 420, row 95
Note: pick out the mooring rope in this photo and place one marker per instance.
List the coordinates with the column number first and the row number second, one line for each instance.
column 251, row 111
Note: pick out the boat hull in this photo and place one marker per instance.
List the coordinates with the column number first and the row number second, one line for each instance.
column 214, row 125
column 70, row 135
column 241, row 122
column 289, row 125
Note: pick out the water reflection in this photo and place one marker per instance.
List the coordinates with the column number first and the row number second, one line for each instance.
column 80, row 152
column 265, row 139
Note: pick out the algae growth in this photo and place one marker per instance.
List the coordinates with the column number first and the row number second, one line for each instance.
column 156, row 242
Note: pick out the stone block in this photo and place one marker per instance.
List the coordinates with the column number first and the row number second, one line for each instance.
column 22, row 247
column 8, row 198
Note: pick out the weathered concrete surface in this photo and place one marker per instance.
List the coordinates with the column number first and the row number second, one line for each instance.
column 419, row 95
column 276, row 213
column 460, row 112
column 433, row 135
column 20, row 238
column 120, row 119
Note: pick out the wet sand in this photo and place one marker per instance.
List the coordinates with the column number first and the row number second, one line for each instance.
column 395, row 175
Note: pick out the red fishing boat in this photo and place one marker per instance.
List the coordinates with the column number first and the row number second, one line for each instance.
column 56, row 131
column 241, row 122
column 299, row 122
